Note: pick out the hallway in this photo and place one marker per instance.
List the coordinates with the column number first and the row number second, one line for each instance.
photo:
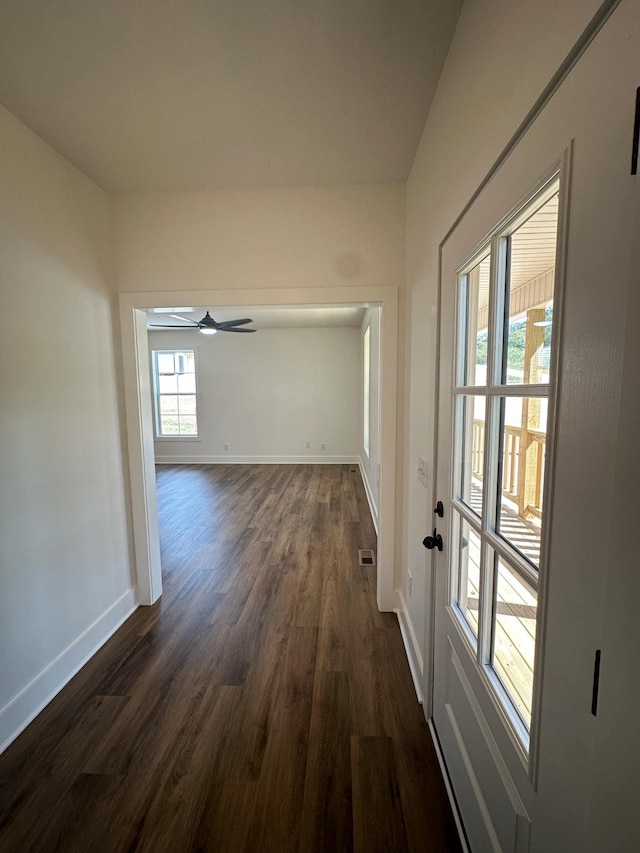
column 262, row 704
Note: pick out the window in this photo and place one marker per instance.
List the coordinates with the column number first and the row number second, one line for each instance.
column 366, row 359
column 501, row 404
column 174, row 382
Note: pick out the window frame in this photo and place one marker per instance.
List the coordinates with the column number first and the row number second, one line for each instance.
column 495, row 547
column 366, row 391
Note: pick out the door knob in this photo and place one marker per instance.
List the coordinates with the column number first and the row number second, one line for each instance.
column 431, row 542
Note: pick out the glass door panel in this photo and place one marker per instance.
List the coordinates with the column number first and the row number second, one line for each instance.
column 467, row 556
column 470, row 435
column 523, row 440
column 474, row 310
column 514, row 636
column 529, row 297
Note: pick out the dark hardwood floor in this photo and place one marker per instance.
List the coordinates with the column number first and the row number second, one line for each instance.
column 263, row 704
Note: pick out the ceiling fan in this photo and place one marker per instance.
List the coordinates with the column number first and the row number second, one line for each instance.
column 209, row 326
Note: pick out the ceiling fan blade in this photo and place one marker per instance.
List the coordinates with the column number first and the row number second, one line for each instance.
column 233, row 329
column 225, row 324
column 172, row 327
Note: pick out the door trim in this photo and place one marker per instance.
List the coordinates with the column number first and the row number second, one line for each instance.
column 139, row 420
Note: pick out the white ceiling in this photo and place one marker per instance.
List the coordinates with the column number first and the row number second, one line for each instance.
column 533, row 251
column 265, row 318
column 153, row 95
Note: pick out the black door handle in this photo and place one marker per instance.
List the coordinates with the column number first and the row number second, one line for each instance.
column 431, row 542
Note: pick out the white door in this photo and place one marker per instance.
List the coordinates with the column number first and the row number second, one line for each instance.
column 533, row 294
column 614, row 823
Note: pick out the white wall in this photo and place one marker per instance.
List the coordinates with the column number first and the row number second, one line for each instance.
column 65, row 579
column 266, row 395
column 370, row 462
column 502, row 56
column 295, row 237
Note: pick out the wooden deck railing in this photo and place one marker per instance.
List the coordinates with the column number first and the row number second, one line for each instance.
column 523, row 457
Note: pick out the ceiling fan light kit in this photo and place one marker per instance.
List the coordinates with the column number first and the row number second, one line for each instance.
column 209, row 326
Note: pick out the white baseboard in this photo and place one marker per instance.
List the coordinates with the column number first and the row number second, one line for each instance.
column 369, row 494
column 411, row 645
column 25, row 707
column 257, row 460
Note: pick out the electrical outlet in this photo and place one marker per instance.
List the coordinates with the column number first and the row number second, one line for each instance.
column 422, row 470
column 409, row 584
column 323, row 446
column 307, row 444
column 226, row 446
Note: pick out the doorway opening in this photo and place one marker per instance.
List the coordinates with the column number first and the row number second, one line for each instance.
column 140, row 427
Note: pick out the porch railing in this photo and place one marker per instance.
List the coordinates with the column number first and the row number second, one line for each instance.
column 523, row 456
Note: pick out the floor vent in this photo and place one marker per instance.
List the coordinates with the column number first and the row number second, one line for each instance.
column 353, row 470
column 366, row 557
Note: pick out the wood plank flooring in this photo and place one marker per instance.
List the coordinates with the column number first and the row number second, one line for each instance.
column 263, row 704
